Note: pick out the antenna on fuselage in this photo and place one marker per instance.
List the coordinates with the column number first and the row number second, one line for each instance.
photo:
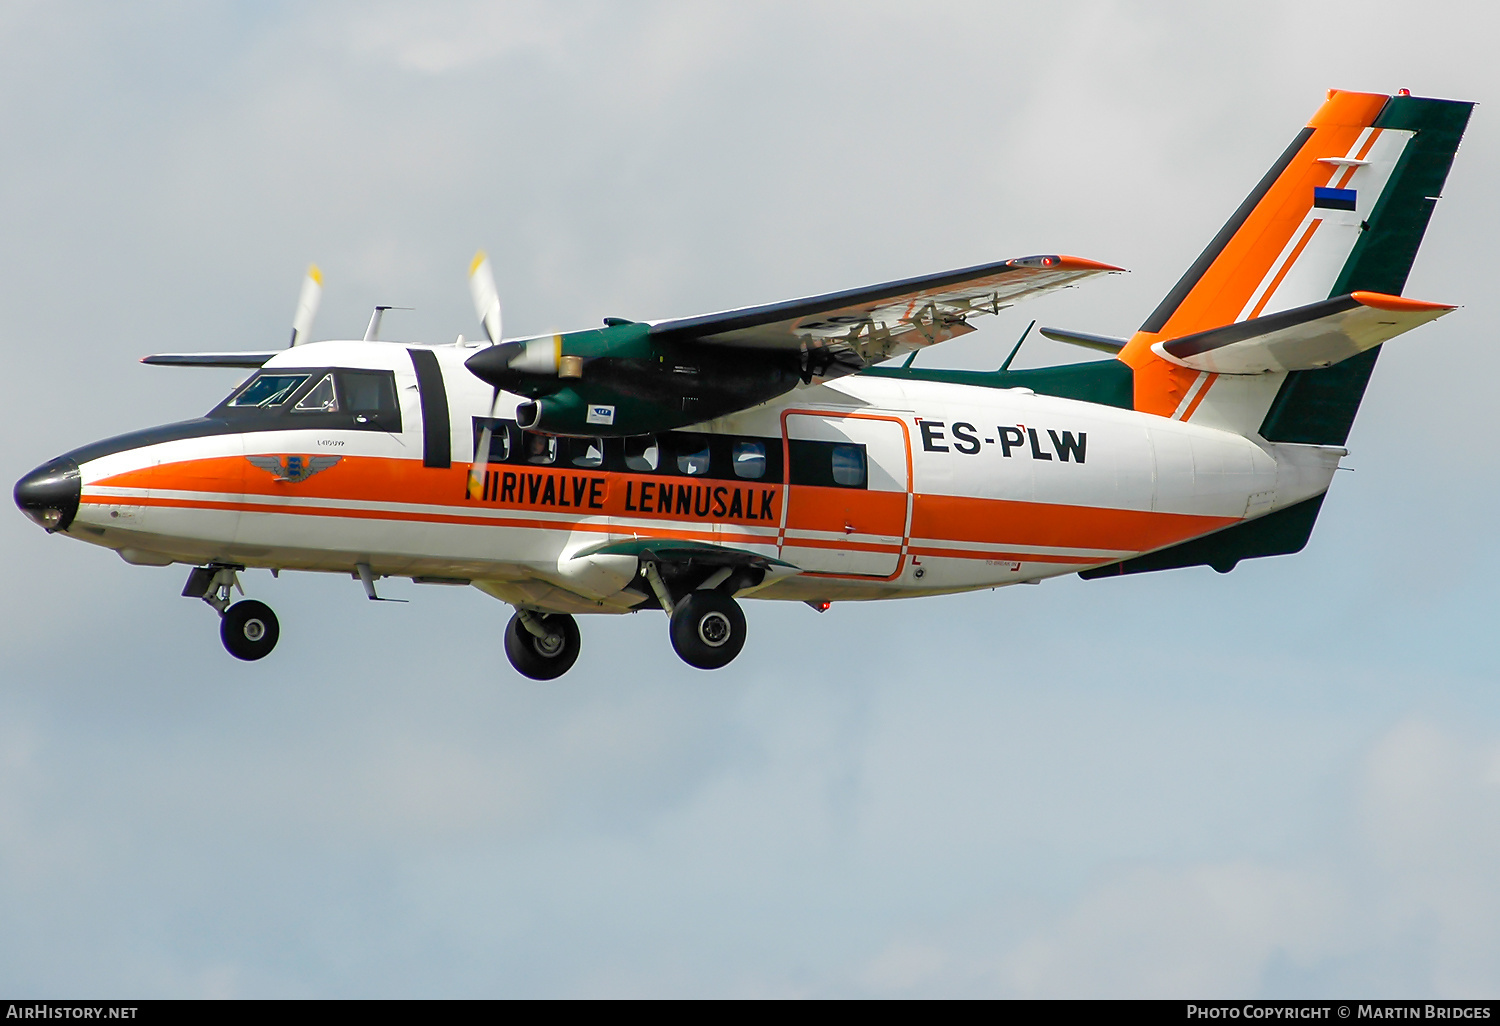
column 1019, row 342
column 372, row 333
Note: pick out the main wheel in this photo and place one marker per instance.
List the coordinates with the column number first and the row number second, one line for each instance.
column 543, row 658
column 249, row 630
column 708, row 629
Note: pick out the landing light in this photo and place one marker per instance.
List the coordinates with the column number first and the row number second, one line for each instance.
column 48, row 518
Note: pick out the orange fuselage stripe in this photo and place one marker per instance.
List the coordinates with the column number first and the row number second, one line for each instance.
column 596, row 501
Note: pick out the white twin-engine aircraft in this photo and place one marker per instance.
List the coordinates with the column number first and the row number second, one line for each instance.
column 770, row 452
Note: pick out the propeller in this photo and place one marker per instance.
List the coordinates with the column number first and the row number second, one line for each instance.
column 307, row 305
column 486, row 296
column 487, row 305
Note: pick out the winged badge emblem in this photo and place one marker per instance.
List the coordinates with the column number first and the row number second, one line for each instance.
column 294, row 469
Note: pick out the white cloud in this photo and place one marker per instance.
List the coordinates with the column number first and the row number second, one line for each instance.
column 1403, row 865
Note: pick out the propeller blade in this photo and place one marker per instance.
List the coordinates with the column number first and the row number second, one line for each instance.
column 482, row 453
column 307, row 305
column 486, row 296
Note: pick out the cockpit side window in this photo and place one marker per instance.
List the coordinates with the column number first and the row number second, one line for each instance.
column 320, row 399
column 265, row 390
column 371, row 397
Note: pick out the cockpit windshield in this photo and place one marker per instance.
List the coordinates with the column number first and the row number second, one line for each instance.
column 269, row 390
column 325, row 398
column 321, row 398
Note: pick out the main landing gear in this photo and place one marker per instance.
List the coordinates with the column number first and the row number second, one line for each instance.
column 248, row 629
column 706, row 626
column 542, row 646
column 707, row 629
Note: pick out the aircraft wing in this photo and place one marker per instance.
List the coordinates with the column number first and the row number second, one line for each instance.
column 846, row 331
column 245, row 360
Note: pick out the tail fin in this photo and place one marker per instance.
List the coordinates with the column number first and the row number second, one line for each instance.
column 1343, row 210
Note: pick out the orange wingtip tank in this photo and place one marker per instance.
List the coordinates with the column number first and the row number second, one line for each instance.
column 1381, row 301
column 1063, row 262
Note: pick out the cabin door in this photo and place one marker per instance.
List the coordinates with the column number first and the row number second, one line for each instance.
column 848, row 488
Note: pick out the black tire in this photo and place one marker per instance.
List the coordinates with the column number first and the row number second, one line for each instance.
column 534, row 657
column 708, row 629
column 249, row 630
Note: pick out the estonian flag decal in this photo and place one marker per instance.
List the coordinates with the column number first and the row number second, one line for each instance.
column 1333, row 199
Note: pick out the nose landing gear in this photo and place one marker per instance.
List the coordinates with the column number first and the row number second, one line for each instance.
column 248, row 629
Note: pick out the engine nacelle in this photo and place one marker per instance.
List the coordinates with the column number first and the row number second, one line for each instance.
column 631, row 384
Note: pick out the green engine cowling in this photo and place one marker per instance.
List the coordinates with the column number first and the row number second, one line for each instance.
column 618, row 380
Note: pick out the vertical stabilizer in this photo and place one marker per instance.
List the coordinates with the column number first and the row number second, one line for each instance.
column 1342, row 210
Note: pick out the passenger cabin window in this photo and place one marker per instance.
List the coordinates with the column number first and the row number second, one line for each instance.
column 642, row 455
column 501, row 448
column 500, row 444
column 692, row 456
column 828, row 464
column 849, row 466
column 540, row 449
column 269, row 390
column 750, row 460
column 321, row 399
column 588, row 453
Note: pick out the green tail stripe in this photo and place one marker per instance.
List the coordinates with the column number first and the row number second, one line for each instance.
column 1276, row 534
column 1107, row 382
column 1317, row 407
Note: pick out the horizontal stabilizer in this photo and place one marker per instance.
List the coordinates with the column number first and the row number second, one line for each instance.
column 248, row 360
column 1305, row 338
column 1102, row 343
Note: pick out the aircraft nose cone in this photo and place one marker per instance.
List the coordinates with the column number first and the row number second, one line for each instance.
column 49, row 494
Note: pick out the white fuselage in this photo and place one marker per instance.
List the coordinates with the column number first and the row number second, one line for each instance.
column 872, row 487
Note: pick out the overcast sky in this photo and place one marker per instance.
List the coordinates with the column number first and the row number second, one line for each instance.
column 1280, row 782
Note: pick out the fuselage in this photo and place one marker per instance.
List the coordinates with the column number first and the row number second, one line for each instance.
column 872, row 487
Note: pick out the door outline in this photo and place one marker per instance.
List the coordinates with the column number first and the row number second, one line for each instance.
column 786, row 482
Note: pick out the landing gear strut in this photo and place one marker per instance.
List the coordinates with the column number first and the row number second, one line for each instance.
column 542, row 647
column 248, row 629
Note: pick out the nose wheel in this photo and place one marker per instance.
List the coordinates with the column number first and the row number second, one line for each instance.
column 542, row 647
column 708, row 629
column 249, row 630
